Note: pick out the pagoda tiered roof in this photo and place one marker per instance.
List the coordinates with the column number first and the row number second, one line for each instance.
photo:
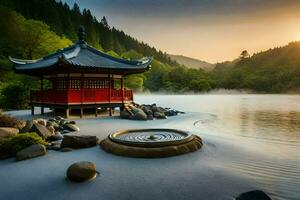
column 80, row 58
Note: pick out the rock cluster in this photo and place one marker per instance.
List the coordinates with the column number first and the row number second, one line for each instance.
column 147, row 112
column 52, row 130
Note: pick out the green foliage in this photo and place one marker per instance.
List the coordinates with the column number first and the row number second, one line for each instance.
column 132, row 54
column 27, row 39
column 65, row 22
column 273, row 71
column 199, row 85
column 113, row 54
column 135, row 82
column 14, row 96
column 18, row 142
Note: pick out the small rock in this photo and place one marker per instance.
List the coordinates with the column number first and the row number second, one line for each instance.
column 170, row 113
column 53, row 124
column 51, row 129
column 80, row 141
column 31, row 152
column 65, row 132
column 253, row 195
column 41, row 130
column 56, row 136
column 72, row 122
column 20, row 124
column 8, row 132
column 58, row 142
column 56, row 147
column 42, row 122
column 160, row 115
column 62, row 122
column 71, row 127
column 66, row 149
column 58, row 118
column 81, row 171
column 147, row 110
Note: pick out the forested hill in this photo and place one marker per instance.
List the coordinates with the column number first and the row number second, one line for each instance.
column 34, row 28
column 274, row 71
column 65, row 21
column 192, row 62
column 31, row 37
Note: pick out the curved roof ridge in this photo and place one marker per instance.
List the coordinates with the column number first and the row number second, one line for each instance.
column 72, row 54
column 22, row 61
column 60, row 51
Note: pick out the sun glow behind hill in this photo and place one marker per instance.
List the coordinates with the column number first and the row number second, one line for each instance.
column 214, row 31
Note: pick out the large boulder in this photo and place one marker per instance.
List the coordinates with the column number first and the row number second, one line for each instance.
column 8, row 132
column 81, row 171
column 253, row 195
column 79, row 141
column 31, row 152
column 124, row 114
column 41, row 130
column 71, row 127
column 138, row 114
column 28, row 126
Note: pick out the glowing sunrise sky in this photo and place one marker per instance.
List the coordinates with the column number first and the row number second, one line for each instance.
column 211, row 30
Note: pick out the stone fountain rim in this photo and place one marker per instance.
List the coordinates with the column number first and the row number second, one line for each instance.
column 188, row 137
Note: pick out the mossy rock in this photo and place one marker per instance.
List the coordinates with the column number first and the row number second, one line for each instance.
column 18, row 142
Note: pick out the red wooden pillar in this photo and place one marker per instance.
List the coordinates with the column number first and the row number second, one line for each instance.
column 110, row 84
column 68, row 88
column 42, row 95
column 81, row 95
column 122, row 88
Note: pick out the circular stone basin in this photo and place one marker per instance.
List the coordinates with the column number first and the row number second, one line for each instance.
column 151, row 143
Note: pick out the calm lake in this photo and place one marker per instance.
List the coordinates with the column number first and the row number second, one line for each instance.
column 267, row 126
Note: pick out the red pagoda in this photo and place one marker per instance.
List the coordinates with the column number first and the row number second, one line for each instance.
column 81, row 77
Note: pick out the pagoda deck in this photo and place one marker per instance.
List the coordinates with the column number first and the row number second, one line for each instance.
column 84, row 97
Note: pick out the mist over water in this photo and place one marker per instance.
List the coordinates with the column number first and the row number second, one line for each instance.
column 263, row 129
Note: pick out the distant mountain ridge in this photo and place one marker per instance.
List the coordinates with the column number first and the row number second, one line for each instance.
column 192, row 62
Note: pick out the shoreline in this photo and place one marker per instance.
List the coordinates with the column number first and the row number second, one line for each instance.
column 128, row 178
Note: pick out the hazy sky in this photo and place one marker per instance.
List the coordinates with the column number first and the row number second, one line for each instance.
column 211, row 30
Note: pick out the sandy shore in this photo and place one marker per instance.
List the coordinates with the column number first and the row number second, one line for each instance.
column 199, row 175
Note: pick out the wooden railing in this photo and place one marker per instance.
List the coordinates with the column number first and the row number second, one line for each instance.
column 86, row 96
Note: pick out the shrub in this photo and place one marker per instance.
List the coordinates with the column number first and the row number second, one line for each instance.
column 21, row 141
column 14, row 97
